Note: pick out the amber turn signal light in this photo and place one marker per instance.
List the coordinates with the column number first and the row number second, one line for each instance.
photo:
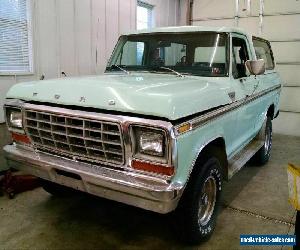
column 154, row 168
column 184, row 128
column 20, row 138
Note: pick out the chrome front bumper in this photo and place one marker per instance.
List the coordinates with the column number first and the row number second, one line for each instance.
column 119, row 185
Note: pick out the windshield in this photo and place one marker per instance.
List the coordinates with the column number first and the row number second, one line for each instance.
column 198, row 53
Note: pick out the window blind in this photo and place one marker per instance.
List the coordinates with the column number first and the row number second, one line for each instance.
column 15, row 54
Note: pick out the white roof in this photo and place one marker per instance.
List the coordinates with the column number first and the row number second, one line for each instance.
column 175, row 29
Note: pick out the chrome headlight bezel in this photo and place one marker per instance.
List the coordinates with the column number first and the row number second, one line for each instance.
column 139, row 131
column 14, row 118
column 10, row 107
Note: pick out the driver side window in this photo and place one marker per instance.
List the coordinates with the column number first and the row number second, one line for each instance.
column 240, row 55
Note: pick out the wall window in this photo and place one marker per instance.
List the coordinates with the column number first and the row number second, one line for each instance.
column 143, row 21
column 15, row 49
column 143, row 15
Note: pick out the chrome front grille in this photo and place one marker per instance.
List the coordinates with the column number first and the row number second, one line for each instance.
column 79, row 138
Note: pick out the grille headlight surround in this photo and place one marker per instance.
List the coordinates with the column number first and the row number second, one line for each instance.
column 149, row 144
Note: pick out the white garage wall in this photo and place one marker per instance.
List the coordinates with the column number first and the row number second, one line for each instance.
column 281, row 25
column 77, row 36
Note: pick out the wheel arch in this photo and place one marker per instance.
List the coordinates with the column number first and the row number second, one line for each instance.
column 214, row 147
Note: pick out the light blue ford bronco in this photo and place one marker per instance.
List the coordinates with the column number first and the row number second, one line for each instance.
column 178, row 111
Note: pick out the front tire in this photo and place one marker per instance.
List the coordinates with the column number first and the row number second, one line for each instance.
column 198, row 208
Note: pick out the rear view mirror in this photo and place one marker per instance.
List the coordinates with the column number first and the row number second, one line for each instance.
column 256, row 67
column 164, row 44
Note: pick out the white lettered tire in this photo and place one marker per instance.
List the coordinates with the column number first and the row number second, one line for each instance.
column 198, row 209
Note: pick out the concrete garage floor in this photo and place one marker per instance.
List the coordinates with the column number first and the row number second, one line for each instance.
column 255, row 202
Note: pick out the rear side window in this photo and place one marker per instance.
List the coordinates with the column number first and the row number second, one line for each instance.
column 263, row 51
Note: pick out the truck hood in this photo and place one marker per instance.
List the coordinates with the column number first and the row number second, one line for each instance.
column 162, row 95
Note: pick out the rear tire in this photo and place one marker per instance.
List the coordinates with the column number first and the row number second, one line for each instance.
column 198, row 209
column 56, row 189
column 263, row 155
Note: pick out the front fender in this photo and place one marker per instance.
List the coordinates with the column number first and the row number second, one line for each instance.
column 190, row 145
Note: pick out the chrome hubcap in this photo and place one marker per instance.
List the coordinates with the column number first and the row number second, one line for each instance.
column 267, row 144
column 207, row 200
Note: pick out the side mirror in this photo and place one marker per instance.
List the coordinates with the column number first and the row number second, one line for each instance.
column 256, row 67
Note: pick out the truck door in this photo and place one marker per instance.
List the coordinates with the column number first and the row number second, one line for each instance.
column 245, row 86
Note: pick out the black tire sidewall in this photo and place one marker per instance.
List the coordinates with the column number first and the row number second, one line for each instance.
column 212, row 170
column 192, row 231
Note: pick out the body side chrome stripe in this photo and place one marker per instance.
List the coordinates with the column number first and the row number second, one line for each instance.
column 202, row 119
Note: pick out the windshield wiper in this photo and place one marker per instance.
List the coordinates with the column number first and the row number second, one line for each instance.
column 120, row 68
column 172, row 70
